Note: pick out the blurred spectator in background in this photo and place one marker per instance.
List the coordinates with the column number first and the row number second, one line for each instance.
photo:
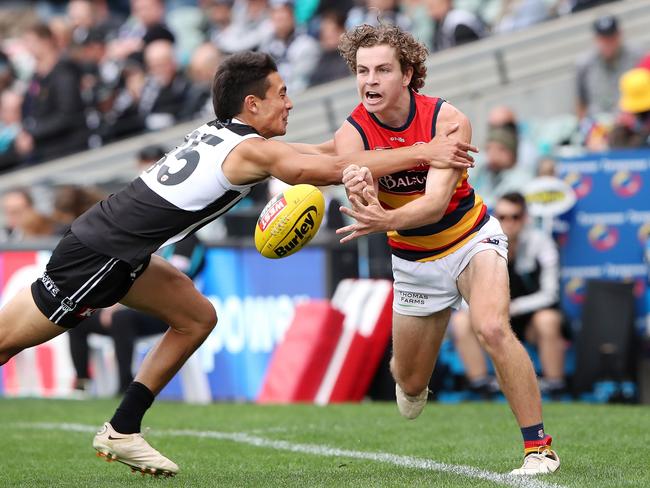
column 70, row 201
column 165, row 89
column 53, row 112
column 98, row 87
column 123, row 118
column 35, row 226
column 61, row 32
column 295, row 53
column 249, row 28
column 374, row 12
column 10, row 126
column 149, row 155
column 533, row 268
column 600, row 70
column 219, row 16
column 203, row 65
column 547, row 166
column 453, row 27
column 7, row 73
column 500, row 172
column 330, row 65
column 146, row 25
column 503, row 116
column 632, row 129
column 16, row 204
column 519, row 14
column 81, row 18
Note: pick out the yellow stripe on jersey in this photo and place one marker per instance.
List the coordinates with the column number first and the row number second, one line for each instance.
column 446, row 237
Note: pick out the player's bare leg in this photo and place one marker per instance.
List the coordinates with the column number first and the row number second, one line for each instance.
column 547, row 325
column 416, row 342
column 484, row 285
column 23, row 325
column 168, row 294
column 467, row 346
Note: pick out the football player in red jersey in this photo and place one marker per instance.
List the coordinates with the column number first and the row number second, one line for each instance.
column 106, row 257
column 445, row 246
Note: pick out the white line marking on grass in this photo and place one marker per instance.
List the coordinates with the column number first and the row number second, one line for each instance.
column 327, row 451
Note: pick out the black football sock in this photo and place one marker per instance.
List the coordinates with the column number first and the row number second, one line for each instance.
column 128, row 416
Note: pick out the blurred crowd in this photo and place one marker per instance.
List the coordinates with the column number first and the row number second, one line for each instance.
column 144, row 65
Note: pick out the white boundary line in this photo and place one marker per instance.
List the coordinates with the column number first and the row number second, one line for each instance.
column 327, row 451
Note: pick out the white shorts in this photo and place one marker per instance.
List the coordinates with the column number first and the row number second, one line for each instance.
column 421, row 289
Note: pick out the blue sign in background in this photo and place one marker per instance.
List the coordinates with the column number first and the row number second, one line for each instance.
column 254, row 297
column 609, row 225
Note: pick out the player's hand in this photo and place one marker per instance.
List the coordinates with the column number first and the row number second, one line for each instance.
column 356, row 179
column 446, row 152
column 369, row 218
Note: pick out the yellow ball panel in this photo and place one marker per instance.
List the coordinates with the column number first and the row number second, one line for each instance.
column 289, row 221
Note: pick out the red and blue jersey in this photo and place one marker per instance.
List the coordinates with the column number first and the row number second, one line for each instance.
column 466, row 212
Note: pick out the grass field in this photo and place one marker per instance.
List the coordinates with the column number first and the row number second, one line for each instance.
column 47, row 443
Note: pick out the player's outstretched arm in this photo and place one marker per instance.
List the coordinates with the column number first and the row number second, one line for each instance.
column 445, row 151
column 371, row 217
column 255, row 159
column 326, row 147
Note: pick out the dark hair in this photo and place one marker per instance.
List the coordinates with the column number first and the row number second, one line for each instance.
column 41, row 30
column 240, row 75
column 516, row 198
column 410, row 52
column 151, row 153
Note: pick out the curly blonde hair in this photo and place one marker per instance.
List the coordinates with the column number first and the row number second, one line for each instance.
column 410, row 52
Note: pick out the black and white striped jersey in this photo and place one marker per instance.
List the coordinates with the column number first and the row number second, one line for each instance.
column 182, row 192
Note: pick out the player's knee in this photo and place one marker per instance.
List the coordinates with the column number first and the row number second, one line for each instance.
column 206, row 318
column 547, row 323
column 492, row 334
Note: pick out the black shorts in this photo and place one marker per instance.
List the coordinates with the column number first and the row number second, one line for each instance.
column 520, row 323
column 77, row 281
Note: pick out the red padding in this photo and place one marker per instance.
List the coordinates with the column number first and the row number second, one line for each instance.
column 363, row 357
column 300, row 361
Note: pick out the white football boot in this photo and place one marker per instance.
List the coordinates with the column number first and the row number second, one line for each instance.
column 410, row 406
column 544, row 461
column 132, row 450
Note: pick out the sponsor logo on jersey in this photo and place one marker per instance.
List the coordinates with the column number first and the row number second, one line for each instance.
column 404, row 182
column 298, row 233
column 49, row 285
column 491, row 240
column 272, row 209
column 626, row 184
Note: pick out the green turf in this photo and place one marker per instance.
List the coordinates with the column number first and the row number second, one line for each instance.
column 600, row 446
